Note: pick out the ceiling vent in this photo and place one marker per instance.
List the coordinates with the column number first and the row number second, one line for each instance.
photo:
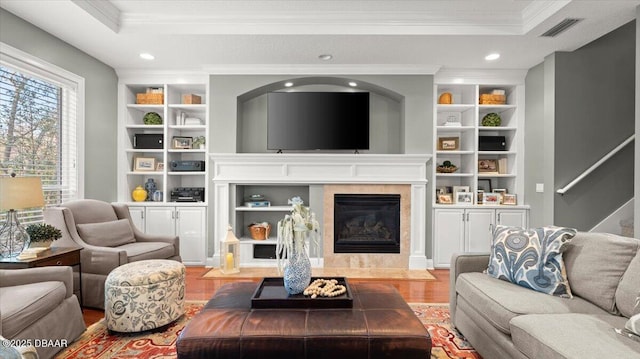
column 561, row 27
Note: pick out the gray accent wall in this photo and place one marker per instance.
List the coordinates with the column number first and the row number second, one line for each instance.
column 100, row 99
column 534, row 137
column 588, row 109
column 595, row 112
column 636, row 216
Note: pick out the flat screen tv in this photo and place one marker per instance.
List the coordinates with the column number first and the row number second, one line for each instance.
column 318, row 121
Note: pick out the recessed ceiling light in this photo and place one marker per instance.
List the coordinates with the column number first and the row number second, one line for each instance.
column 147, row 56
column 492, row 57
column 288, row 84
column 353, row 84
column 325, row 57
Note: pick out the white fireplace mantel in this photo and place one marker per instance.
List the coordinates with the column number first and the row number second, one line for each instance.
column 320, row 168
column 304, row 168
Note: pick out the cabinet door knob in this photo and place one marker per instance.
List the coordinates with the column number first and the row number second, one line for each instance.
column 58, row 263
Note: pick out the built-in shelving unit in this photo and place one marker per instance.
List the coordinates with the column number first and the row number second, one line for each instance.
column 139, row 163
column 460, row 124
column 253, row 252
column 172, row 129
column 465, row 226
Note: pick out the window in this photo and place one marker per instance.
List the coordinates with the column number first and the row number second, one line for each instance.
column 40, row 118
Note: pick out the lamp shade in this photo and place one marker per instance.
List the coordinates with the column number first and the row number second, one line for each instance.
column 20, row 193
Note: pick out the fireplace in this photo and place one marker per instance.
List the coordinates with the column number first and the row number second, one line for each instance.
column 366, row 223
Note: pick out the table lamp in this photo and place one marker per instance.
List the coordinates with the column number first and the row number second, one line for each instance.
column 17, row 193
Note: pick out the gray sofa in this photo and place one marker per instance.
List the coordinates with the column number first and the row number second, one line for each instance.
column 108, row 239
column 38, row 306
column 504, row 320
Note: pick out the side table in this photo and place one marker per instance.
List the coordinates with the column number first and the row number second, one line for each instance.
column 54, row 256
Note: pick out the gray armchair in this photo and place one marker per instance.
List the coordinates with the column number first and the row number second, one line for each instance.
column 39, row 304
column 109, row 239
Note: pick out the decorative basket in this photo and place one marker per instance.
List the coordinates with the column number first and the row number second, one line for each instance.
column 150, row 98
column 260, row 231
column 191, row 99
column 491, row 99
column 443, row 169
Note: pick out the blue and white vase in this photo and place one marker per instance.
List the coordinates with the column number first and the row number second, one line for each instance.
column 150, row 187
column 297, row 271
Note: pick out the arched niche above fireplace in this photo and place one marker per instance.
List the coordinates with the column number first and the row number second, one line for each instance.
column 386, row 112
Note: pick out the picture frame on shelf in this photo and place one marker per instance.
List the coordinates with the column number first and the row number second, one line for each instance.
column 480, row 196
column 448, row 143
column 160, row 166
column 445, row 198
column 509, row 199
column 487, row 166
column 491, row 198
column 144, row 164
column 181, row 143
column 485, row 184
column 457, row 189
column 501, row 191
column 464, row 198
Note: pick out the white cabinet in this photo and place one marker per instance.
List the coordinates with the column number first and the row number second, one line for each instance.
column 512, row 218
column 478, row 224
column 448, row 235
column 189, row 223
column 469, row 229
column 137, row 216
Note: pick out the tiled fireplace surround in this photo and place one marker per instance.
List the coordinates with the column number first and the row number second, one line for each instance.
column 337, row 173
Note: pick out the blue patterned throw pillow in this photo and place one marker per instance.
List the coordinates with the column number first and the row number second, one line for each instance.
column 531, row 258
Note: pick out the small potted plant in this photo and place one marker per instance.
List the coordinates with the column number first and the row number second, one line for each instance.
column 42, row 234
column 198, row 142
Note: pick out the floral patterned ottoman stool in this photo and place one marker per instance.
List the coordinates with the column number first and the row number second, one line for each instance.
column 144, row 295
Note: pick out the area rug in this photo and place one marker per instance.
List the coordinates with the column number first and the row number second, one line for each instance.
column 354, row 273
column 98, row 343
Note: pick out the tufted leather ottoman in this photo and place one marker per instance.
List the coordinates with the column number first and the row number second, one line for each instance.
column 380, row 325
column 144, row 295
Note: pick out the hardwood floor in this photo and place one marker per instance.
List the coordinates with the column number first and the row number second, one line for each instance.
column 197, row 288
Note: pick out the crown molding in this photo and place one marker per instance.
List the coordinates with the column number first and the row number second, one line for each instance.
column 103, row 11
column 538, row 11
column 327, row 22
column 169, row 76
column 474, row 76
column 305, row 69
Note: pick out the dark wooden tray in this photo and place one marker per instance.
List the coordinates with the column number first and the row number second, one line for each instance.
column 271, row 294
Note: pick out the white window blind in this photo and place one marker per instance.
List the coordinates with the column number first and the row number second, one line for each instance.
column 39, row 121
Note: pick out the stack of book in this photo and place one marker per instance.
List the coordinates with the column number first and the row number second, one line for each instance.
column 257, row 200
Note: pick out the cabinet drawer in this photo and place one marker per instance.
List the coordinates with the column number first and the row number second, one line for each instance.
column 66, row 260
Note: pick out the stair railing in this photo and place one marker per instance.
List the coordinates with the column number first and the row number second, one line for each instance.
column 593, row 167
